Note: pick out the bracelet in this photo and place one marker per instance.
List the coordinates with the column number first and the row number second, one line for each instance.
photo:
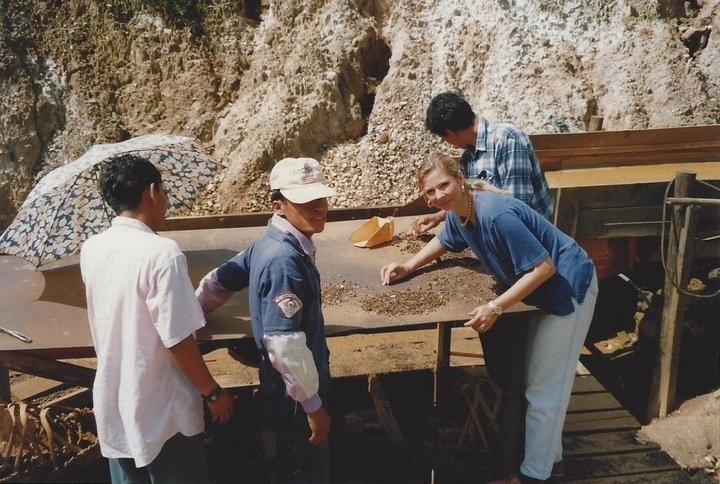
column 496, row 308
column 213, row 395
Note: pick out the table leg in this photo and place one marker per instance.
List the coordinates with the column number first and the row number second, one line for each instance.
column 5, row 384
column 442, row 361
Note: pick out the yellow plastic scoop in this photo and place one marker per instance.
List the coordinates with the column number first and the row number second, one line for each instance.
column 375, row 231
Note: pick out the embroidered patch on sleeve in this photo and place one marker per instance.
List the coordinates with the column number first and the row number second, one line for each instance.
column 288, row 303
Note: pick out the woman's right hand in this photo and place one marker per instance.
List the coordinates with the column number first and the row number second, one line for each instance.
column 392, row 272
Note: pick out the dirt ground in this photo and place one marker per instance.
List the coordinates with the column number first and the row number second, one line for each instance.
column 691, row 434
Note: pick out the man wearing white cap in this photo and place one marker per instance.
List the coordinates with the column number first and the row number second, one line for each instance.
column 287, row 321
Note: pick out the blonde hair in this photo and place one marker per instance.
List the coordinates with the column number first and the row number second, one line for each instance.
column 451, row 166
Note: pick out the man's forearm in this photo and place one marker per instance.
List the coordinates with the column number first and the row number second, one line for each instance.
column 211, row 294
column 189, row 359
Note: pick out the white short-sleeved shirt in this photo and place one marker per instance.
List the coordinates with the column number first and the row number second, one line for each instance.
column 140, row 302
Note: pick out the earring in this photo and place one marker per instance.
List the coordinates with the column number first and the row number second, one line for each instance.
column 429, row 203
column 463, row 188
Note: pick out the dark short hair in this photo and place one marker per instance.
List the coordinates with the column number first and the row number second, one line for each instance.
column 448, row 111
column 123, row 180
column 276, row 195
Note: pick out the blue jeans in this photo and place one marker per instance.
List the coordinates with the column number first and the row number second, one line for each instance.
column 182, row 459
column 554, row 344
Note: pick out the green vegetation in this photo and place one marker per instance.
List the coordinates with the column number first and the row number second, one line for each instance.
column 558, row 124
column 649, row 14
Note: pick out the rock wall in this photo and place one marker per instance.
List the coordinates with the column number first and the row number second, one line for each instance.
column 346, row 81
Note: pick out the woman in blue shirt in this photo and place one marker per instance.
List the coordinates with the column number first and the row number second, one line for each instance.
column 540, row 266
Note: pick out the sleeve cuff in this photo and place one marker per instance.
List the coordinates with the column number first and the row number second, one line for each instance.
column 312, row 404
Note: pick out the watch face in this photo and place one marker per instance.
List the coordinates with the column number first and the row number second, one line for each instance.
column 213, row 395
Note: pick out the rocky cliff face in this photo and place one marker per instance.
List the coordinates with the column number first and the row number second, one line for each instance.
column 346, row 81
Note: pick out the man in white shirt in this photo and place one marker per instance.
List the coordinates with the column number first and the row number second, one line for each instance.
column 143, row 316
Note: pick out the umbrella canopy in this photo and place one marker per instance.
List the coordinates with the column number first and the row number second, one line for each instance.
column 65, row 207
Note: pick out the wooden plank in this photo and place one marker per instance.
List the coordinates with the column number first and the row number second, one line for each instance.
column 600, row 421
column 661, row 173
column 604, row 443
column 79, row 397
column 679, row 256
column 618, row 196
column 702, row 146
column 676, row 476
column 31, row 387
column 687, row 134
column 615, row 466
column 610, row 156
column 593, row 402
column 48, row 368
column 587, row 384
column 442, row 360
column 259, row 219
column 5, row 395
column 634, row 147
column 567, row 207
column 619, row 222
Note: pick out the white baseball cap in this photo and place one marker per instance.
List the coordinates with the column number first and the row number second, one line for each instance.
column 300, row 180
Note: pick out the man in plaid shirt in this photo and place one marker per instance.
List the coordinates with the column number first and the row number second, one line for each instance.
column 495, row 152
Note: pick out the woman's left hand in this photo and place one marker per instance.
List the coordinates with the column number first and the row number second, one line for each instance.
column 482, row 318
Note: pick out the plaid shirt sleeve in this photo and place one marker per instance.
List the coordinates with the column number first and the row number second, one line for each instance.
column 512, row 161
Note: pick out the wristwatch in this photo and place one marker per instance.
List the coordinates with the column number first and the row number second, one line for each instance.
column 496, row 308
column 213, row 395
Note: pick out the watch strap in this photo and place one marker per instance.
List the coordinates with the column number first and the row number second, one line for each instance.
column 213, row 395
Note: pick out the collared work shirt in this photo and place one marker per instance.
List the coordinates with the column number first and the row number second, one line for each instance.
column 285, row 311
column 504, row 156
column 140, row 302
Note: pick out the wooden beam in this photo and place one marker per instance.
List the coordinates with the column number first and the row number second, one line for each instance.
column 686, row 134
column 679, row 254
column 633, row 147
column 259, row 219
column 604, row 443
column 608, row 156
column 5, row 384
column 619, row 222
column 567, row 208
column 442, row 360
column 48, row 368
column 625, row 468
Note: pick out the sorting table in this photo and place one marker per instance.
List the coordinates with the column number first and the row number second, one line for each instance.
column 48, row 306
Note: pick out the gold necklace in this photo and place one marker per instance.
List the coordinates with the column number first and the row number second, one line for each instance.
column 469, row 212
